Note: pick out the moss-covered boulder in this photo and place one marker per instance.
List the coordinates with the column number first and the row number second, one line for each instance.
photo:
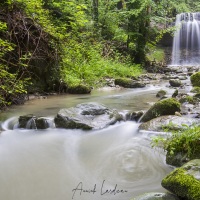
column 79, row 89
column 87, row 116
column 161, row 93
column 175, row 82
column 164, row 107
column 129, row 83
column 195, row 79
column 184, row 181
column 156, row 196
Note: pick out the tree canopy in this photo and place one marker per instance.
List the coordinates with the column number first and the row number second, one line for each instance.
column 48, row 42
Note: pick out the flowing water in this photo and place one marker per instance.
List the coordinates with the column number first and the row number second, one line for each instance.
column 186, row 43
column 55, row 164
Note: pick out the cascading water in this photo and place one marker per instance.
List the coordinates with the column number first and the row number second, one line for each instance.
column 186, row 43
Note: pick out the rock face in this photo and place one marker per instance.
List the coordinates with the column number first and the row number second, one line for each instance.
column 163, row 107
column 86, row 116
column 184, row 181
column 129, row 83
column 171, row 122
column 156, row 196
column 195, row 79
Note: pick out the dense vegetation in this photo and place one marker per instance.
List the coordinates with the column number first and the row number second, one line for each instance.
column 49, row 44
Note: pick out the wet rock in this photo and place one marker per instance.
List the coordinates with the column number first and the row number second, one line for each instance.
column 170, row 122
column 175, row 94
column 129, row 83
column 79, row 89
column 161, row 93
column 135, row 116
column 33, row 122
column 23, row 120
column 164, row 107
column 87, row 116
column 156, row 196
column 184, row 181
column 175, row 82
column 195, row 79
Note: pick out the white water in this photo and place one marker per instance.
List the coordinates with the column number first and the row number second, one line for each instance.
column 49, row 164
column 186, row 42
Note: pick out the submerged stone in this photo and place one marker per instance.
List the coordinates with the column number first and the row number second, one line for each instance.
column 87, row 116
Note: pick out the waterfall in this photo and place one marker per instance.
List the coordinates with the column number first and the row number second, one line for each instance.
column 186, row 43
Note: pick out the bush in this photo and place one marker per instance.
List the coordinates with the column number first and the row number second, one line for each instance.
column 195, row 79
column 184, row 144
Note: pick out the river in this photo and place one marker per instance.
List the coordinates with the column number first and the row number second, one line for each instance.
column 115, row 163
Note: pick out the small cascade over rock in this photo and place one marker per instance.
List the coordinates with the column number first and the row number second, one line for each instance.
column 186, row 43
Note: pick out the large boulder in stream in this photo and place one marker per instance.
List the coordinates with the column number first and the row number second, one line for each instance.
column 184, row 181
column 164, row 107
column 169, row 122
column 87, row 116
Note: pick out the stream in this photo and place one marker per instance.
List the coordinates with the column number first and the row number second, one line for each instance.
column 115, row 163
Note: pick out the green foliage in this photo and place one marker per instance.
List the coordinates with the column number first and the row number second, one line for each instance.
column 196, row 90
column 185, row 142
column 156, row 54
column 83, row 64
column 195, row 79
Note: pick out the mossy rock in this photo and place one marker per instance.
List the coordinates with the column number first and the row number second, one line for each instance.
column 79, row 89
column 184, row 181
column 161, row 93
column 175, row 82
column 128, row 83
column 195, row 79
column 195, row 90
column 164, row 107
column 189, row 99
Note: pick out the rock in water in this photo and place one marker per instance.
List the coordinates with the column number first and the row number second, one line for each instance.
column 86, row 116
column 171, row 122
column 163, row 107
column 175, row 83
column 184, row 181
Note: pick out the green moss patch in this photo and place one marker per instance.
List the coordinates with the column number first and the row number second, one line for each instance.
column 195, row 79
